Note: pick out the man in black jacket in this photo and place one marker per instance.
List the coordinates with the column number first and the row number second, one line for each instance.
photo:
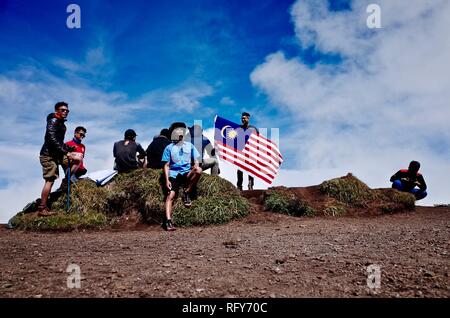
column 407, row 180
column 156, row 148
column 53, row 152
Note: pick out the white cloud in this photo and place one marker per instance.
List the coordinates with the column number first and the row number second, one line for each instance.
column 185, row 98
column 227, row 101
column 384, row 105
column 97, row 63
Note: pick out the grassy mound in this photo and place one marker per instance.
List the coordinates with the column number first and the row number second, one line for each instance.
column 216, row 201
column 337, row 197
column 348, row 189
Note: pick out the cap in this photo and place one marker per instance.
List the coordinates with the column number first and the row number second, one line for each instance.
column 130, row 133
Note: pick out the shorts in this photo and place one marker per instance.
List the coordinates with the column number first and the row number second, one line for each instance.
column 50, row 167
column 179, row 182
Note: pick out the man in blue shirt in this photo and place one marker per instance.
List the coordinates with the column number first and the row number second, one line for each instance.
column 178, row 171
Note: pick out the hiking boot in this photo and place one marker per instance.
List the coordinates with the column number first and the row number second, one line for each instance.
column 239, row 188
column 44, row 211
column 169, row 226
column 186, row 199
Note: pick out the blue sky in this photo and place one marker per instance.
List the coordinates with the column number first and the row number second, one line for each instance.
column 152, row 45
column 146, row 46
column 336, row 89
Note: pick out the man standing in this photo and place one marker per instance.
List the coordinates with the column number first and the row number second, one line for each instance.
column 125, row 152
column 202, row 144
column 407, row 180
column 178, row 172
column 248, row 129
column 156, row 148
column 53, row 152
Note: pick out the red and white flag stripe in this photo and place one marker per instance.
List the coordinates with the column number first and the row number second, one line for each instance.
column 260, row 157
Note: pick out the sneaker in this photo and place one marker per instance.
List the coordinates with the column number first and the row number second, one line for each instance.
column 187, row 200
column 169, row 226
column 44, row 211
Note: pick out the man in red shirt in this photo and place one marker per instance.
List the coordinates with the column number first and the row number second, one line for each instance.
column 410, row 180
column 76, row 156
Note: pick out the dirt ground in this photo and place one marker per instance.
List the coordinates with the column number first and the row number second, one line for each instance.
column 263, row 255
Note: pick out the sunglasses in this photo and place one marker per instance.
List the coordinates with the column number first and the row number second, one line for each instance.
column 64, row 110
column 81, row 135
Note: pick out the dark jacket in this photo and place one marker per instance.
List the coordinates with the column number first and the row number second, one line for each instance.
column 155, row 151
column 249, row 127
column 54, row 145
column 409, row 184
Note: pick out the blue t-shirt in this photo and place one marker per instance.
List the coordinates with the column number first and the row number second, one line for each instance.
column 179, row 157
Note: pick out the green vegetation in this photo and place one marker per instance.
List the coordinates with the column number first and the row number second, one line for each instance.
column 339, row 197
column 217, row 201
column 395, row 200
column 282, row 201
column 348, row 189
column 61, row 221
column 336, row 209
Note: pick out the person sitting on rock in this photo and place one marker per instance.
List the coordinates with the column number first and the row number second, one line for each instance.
column 156, row 148
column 77, row 168
column 76, row 157
column 125, row 152
column 203, row 144
column 178, row 171
column 410, row 180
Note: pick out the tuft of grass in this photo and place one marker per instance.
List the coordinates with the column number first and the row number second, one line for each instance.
column 349, row 190
column 277, row 201
column 336, row 209
column 61, row 221
column 395, row 200
column 287, row 203
column 85, row 197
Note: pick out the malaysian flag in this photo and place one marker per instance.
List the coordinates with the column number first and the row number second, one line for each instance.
column 247, row 149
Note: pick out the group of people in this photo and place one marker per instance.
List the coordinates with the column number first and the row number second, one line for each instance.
column 175, row 153
column 178, row 151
